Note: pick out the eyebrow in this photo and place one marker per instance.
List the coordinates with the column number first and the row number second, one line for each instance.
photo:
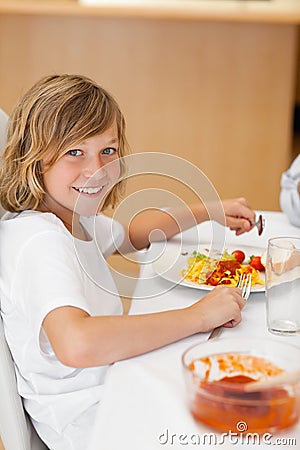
column 112, row 141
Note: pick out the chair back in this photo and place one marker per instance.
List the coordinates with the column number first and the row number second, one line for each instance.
column 3, row 128
column 16, row 430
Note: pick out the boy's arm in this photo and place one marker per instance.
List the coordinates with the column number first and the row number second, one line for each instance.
column 157, row 225
column 80, row 340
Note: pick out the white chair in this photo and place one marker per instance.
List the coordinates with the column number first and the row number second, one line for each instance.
column 3, row 126
column 16, row 430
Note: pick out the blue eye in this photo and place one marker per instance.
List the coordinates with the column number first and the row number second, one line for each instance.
column 74, row 152
column 109, row 151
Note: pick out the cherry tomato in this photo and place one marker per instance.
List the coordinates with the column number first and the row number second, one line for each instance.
column 239, row 255
column 255, row 262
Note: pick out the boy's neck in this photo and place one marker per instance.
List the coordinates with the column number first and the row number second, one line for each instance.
column 70, row 220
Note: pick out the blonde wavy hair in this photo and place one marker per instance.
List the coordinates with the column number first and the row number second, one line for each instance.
column 56, row 113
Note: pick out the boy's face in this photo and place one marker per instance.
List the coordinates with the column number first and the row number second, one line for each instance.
column 81, row 178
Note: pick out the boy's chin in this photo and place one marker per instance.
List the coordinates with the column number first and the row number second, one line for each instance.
column 89, row 209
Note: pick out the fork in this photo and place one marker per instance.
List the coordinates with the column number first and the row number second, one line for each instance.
column 244, row 283
column 259, row 224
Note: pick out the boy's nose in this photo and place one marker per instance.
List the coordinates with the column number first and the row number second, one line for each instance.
column 92, row 167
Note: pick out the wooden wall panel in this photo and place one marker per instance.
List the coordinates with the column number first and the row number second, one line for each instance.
column 219, row 94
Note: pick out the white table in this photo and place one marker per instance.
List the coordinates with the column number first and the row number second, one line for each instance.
column 145, row 405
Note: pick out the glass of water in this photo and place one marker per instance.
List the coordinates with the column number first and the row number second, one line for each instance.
column 283, row 285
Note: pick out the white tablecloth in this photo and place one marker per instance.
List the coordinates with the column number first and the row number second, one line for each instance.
column 145, row 405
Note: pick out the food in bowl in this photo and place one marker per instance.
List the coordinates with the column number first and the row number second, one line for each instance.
column 216, row 377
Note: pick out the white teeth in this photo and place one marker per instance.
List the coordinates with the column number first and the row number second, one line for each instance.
column 89, row 190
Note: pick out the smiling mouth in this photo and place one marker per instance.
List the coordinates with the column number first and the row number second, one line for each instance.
column 88, row 190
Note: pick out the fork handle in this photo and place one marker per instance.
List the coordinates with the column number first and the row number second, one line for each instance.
column 215, row 333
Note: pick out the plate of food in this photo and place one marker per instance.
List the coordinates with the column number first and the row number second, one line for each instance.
column 200, row 267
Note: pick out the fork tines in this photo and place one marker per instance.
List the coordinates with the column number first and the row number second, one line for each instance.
column 244, row 283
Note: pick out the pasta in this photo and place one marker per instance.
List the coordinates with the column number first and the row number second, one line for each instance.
column 203, row 269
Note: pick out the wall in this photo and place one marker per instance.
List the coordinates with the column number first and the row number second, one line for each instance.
column 219, row 94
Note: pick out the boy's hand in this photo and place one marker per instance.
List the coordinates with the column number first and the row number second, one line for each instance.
column 239, row 215
column 222, row 306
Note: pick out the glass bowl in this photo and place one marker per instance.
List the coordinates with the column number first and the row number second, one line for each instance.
column 225, row 404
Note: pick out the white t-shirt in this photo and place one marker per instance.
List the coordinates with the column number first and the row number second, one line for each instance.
column 289, row 195
column 44, row 267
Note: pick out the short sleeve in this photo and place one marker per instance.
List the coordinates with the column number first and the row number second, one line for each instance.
column 289, row 194
column 47, row 276
column 108, row 233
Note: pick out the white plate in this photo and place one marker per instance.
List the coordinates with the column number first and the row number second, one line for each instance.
column 171, row 263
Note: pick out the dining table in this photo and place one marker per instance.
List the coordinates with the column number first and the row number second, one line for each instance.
column 145, row 404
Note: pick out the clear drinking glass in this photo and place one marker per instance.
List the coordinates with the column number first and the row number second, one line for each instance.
column 283, row 285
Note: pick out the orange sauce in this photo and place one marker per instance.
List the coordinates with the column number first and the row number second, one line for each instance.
column 223, row 402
